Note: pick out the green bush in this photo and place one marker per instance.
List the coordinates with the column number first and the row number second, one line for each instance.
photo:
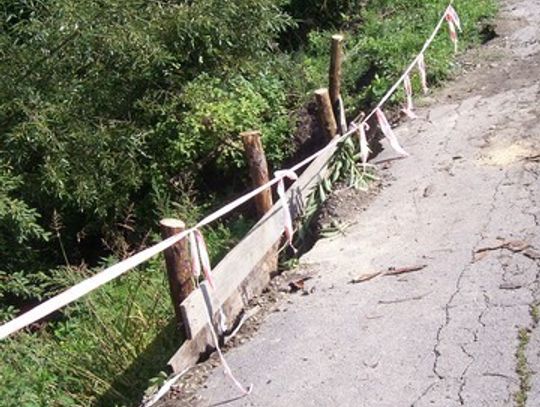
column 104, row 104
column 19, row 227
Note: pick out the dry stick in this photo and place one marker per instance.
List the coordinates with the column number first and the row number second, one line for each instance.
column 403, row 270
column 513, row 245
column 326, row 113
column 258, row 170
column 336, row 59
column 178, row 265
column 389, row 272
column 365, row 278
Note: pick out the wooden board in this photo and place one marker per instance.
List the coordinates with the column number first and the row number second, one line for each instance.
column 242, row 274
column 192, row 349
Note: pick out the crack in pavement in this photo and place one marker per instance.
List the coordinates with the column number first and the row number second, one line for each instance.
column 438, row 354
column 423, row 394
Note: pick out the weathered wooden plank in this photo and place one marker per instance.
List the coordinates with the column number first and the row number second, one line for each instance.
column 192, row 349
column 240, row 276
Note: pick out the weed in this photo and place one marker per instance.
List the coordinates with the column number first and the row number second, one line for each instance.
column 535, row 314
column 522, row 368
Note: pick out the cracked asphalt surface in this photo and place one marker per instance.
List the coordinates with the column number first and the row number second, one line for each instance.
column 466, row 205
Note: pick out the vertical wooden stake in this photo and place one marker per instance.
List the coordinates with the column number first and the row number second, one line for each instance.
column 326, row 113
column 336, row 59
column 258, row 169
column 178, row 265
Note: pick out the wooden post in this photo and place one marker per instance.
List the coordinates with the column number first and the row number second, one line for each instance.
column 178, row 265
column 258, row 169
column 336, row 59
column 326, row 113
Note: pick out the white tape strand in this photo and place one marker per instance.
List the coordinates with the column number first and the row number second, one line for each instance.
column 227, row 370
column 86, row 286
column 409, row 108
column 287, row 219
column 389, row 133
column 453, row 21
column 194, row 254
column 423, row 74
column 342, row 118
column 454, row 16
column 453, row 34
column 205, row 259
column 364, row 147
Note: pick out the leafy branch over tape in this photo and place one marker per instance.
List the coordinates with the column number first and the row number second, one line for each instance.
column 344, row 168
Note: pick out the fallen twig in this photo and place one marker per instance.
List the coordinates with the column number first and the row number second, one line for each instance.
column 533, row 158
column 403, row 270
column 516, row 246
column 489, row 248
column 401, row 300
column 392, row 271
column 365, row 278
column 513, row 245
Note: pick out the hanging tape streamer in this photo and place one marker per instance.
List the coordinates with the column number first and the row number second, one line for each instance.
column 389, row 133
column 227, row 370
column 422, row 70
column 199, row 257
column 453, row 21
column 364, row 147
column 451, row 11
column 408, row 110
column 194, row 254
column 287, row 220
column 342, row 118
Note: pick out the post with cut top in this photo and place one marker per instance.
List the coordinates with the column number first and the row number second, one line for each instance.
column 326, row 113
column 258, row 169
column 178, row 264
column 336, row 59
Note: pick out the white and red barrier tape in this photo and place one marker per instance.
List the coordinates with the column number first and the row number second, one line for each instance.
column 453, row 22
column 409, row 108
column 364, row 146
column 198, row 247
column 287, row 219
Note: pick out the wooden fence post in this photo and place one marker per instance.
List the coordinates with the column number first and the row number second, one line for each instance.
column 326, row 113
column 178, row 265
column 336, row 59
column 258, row 169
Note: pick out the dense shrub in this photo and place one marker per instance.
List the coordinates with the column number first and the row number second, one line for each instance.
column 105, row 103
